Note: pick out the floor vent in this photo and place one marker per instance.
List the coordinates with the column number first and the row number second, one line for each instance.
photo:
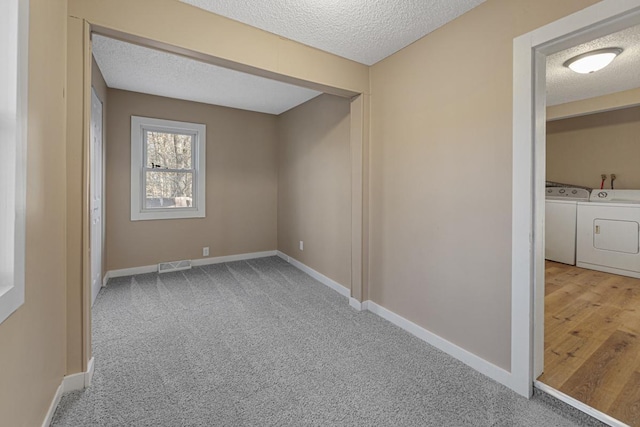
column 166, row 267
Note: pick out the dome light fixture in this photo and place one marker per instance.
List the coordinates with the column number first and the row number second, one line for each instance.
column 593, row 61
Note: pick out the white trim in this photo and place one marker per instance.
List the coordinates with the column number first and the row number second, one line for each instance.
column 196, row 262
column 528, row 51
column 13, row 170
column 232, row 258
column 132, row 271
column 78, row 381
column 88, row 376
column 282, row 255
column 138, row 126
column 600, row 416
column 52, row 407
column 342, row 290
column 72, row 382
column 106, row 278
column 479, row 364
column 360, row 306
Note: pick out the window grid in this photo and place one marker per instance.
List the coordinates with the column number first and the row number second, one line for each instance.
column 146, row 169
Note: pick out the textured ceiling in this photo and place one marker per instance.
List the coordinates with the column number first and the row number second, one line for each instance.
column 140, row 69
column 363, row 31
column 564, row 85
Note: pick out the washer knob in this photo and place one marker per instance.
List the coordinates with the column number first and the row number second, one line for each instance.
column 602, row 194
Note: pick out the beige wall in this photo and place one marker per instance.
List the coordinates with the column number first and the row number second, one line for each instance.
column 32, row 340
column 441, row 114
column 613, row 101
column 241, row 185
column 580, row 149
column 314, row 186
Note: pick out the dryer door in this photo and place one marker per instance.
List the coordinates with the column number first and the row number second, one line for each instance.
column 616, row 235
column 608, row 238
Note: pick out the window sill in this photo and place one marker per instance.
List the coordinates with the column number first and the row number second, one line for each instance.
column 168, row 214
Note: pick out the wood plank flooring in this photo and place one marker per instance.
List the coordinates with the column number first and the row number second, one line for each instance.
column 592, row 339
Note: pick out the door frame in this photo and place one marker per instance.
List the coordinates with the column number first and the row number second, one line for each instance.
column 529, row 125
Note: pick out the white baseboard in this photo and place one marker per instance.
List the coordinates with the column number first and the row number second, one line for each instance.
column 72, row 382
column 132, row 271
column 231, row 258
column 360, row 306
column 342, row 290
column 88, row 376
column 195, row 262
column 601, row 416
column 52, row 408
column 78, row 381
column 479, row 364
column 106, row 278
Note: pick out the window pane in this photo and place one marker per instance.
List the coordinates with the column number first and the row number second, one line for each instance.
column 168, row 190
column 168, row 150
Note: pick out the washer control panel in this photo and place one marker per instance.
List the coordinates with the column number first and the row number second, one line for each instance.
column 567, row 193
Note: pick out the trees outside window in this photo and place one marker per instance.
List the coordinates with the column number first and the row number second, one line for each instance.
column 167, row 169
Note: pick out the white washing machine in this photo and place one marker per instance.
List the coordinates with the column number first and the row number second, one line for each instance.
column 560, row 223
column 608, row 236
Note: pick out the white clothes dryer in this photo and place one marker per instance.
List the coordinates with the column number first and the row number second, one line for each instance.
column 608, row 237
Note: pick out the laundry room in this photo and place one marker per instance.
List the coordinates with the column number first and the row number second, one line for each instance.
column 593, row 159
column 592, row 226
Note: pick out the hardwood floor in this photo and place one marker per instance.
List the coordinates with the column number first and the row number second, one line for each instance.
column 592, row 339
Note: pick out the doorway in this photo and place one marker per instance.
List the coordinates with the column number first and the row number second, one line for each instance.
column 592, row 267
column 529, row 121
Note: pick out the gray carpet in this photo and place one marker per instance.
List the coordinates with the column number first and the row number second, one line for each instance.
column 259, row 343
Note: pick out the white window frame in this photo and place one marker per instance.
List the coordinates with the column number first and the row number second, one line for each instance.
column 14, row 34
column 138, row 162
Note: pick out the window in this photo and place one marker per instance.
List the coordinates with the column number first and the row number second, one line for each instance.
column 167, row 169
column 13, row 118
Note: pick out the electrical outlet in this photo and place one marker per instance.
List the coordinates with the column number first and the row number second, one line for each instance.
column 205, row 251
column 301, row 245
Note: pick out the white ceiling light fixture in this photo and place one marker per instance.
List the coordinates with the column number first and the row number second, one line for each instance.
column 593, row 61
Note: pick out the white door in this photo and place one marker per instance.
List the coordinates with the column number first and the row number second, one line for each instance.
column 96, row 195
